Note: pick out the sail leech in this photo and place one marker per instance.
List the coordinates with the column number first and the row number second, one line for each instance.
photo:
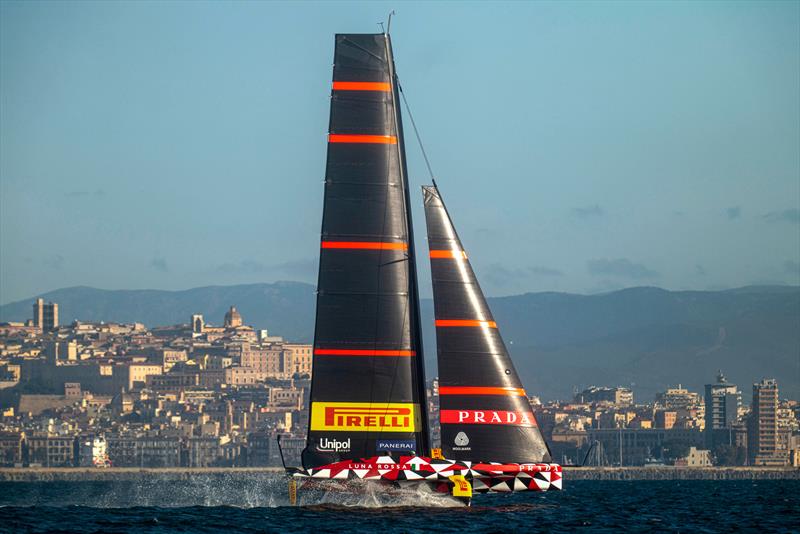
column 484, row 412
column 365, row 392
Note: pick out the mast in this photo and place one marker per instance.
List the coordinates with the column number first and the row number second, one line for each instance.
column 414, row 294
column 484, row 409
column 367, row 380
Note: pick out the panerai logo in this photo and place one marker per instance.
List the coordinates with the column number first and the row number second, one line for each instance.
column 461, row 440
column 395, row 445
column 334, row 445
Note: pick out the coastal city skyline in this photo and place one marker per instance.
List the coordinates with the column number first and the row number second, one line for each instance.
column 197, row 395
column 548, row 334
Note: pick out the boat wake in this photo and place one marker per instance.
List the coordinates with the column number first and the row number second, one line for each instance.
column 236, row 490
column 368, row 494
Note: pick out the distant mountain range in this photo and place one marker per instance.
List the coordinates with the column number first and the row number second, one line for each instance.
column 285, row 308
column 646, row 337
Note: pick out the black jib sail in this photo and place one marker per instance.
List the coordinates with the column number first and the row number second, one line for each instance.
column 484, row 410
column 367, row 392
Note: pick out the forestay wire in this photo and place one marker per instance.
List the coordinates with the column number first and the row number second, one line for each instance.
column 416, row 132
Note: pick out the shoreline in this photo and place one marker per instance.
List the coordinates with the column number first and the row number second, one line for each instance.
column 132, row 474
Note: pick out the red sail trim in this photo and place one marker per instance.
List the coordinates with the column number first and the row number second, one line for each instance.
column 449, row 254
column 464, row 322
column 364, row 245
column 374, row 139
column 478, row 390
column 360, row 352
column 487, row 417
column 362, row 86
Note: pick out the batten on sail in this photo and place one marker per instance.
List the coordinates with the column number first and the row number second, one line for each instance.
column 484, row 411
column 366, row 392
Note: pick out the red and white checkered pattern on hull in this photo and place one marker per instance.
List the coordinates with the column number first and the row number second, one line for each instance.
column 484, row 476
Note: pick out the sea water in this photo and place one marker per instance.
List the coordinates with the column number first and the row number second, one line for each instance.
column 259, row 503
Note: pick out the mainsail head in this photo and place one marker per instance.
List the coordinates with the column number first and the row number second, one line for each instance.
column 484, row 411
column 367, row 393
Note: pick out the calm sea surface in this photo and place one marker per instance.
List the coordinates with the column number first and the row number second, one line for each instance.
column 259, row 504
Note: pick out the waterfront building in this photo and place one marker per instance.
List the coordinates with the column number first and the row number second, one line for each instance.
column 723, row 401
column 51, row 451
column 763, row 425
column 11, row 448
column 204, row 451
column 292, row 449
column 259, row 448
column 634, row 446
column 144, row 451
column 93, row 452
column 695, row 458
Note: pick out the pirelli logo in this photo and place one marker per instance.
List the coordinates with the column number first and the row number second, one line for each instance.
column 365, row 416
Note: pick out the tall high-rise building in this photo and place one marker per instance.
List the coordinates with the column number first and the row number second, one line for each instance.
column 45, row 316
column 233, row 318
column 723, row 400
column 762, row 437
column 38, row 313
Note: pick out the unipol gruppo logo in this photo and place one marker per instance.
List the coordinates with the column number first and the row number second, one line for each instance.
column 364, row 416
column 334, row 445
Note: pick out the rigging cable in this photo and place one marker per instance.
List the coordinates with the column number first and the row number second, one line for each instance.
column 416, row 132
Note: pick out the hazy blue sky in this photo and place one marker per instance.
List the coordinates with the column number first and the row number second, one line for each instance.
column 580, row 146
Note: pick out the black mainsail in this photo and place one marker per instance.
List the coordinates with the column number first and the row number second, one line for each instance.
column 367, row 392
column 484, row 410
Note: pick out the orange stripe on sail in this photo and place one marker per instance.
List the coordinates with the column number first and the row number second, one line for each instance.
column 455, row 254
column 364, row 245
column 374, row 139
column 361, row 352
column 465, row 322
column 476, row 390
column 362, row 86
